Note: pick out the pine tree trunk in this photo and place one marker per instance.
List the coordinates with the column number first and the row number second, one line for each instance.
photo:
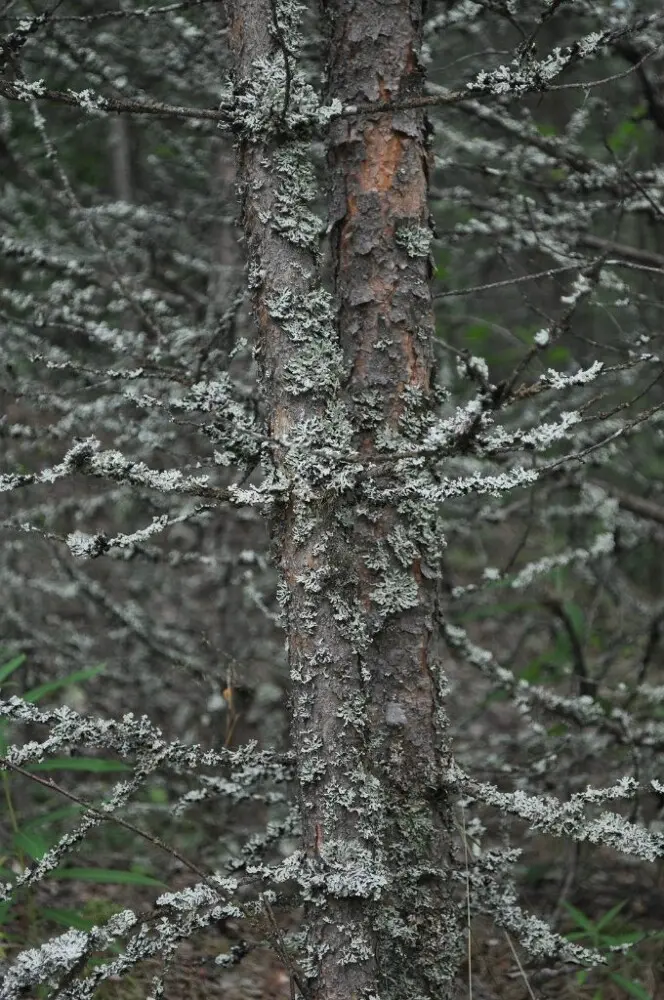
column 347, row 380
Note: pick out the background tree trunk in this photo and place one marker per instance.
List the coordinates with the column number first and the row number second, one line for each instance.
column 348, row 380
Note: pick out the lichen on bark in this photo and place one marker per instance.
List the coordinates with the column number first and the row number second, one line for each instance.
column 346, row 377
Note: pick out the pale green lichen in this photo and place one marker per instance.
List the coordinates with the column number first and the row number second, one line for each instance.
column 416, row 240
column 297, row 189
column 255, row 106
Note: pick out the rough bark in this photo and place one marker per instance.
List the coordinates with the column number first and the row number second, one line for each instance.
column 347, row 381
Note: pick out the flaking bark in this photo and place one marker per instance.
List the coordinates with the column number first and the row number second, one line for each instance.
column 347, row 380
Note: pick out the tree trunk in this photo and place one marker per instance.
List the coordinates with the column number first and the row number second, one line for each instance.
column 347, row 381
column 120, row 151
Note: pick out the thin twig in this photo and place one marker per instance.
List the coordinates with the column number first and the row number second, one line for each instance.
column 279, row 35
column 507, row 281
column 151, row 838
column 295, row 977
column 520, row 966
column 470, row 938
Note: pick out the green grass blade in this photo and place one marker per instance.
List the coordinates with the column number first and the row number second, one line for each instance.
column 108, row 876
column 78, row 764
column 36, row 694
column 630, row 987
column 8, row 668
column 31, row 843
column 69, row 918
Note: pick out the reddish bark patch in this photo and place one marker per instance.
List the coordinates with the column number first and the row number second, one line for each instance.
column 417, row 373
column 383, row 90
column 281, row 422
column 384, row 150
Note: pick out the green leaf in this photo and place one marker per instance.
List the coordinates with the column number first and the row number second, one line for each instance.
column 506, row 607
column 536, row 872
column 70, row 918
column 8, row 668
column 477, row 333
column 629, row 937
column 158, row 795
column 581, row 919
column 165, row 152
column 558, row 355
column 33, row 845
column 50, row 818
column 630, row 987
column 63, row 682
column 560, row 654
column 5, row 911
column 108, row 876
column 624, row 136
column 610, row 915
column 576, row 616
column 533, row 672
column 78, row 764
